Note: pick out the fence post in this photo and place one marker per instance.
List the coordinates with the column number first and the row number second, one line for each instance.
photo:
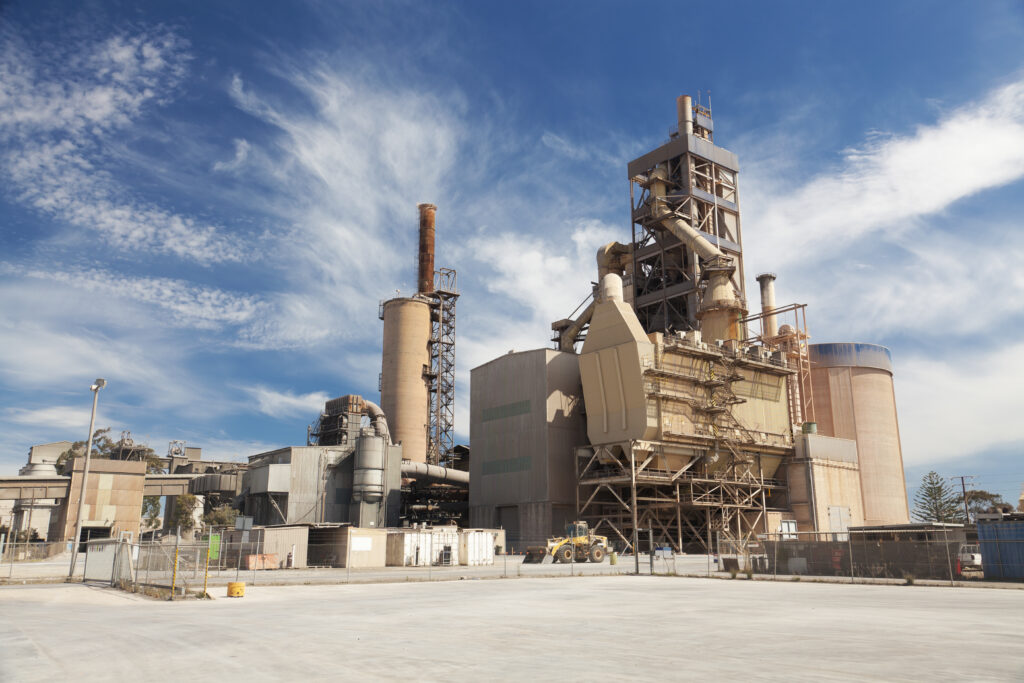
column 949, row 561
column 849, row 545
column 259, row 547
column 650, row 546
column 206, row 572
column 174, row 571
column 775, row 558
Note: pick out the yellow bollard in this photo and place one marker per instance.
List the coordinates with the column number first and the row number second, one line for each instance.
column 236, row 589
column 613, row 558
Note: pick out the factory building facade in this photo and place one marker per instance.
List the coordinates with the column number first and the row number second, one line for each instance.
column 526, row 419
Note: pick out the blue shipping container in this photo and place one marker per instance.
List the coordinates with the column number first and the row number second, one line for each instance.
column 1002, row 549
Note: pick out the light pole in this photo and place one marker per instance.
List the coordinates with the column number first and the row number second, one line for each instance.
column 95, row 388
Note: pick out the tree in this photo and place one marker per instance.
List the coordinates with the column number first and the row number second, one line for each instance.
column 937, row 501
column 103, row 447
column 222, row 515
column 150, row 512
column 981, row 502
column 184, row 509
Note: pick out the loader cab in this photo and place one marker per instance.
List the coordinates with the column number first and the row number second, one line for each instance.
column 576, row 529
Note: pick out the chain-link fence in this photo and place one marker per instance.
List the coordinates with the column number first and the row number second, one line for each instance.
column 909, row 555
column 33, row 560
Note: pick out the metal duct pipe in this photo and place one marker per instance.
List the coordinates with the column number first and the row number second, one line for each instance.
column 721, row 309
column 421, row 470
column 610, row 258
column 684, row 114
column 377, row 417
column 426, row 254
column 567, row 337
column 771, row 323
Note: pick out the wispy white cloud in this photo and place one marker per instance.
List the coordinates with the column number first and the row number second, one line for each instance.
column 187, row 304
column 57, row 108
column 282, row 404
column 888, row 181
column 242, row 148
column 60, row 417
column 350, row 158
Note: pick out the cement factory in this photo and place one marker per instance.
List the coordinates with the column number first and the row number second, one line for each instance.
column 665, row 405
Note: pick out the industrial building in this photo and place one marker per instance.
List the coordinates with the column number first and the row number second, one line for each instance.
column 45, row 501
column 666, row 404
column 702, row 421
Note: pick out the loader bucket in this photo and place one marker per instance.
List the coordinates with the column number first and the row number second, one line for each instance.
column 537, row 555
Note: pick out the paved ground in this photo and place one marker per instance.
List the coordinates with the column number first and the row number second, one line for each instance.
column 504, row 566
column 590, row 628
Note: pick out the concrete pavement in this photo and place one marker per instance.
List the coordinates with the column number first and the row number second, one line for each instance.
column 564, row 629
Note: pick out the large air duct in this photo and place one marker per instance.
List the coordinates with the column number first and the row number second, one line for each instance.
column 443, row 475
column 771, row 323
column 720, row 310
column 426, row 254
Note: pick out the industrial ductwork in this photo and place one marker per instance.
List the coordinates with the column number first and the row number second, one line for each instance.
column 377, row 418
column 567, row 335
column 611, row 258
column 435, row 473
column 721, row 309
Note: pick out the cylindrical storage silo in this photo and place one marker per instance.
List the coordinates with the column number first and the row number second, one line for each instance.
column 405, row 362
column 368, row 473
column 852, row 388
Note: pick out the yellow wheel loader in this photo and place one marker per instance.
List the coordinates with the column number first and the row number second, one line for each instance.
column 580, row 544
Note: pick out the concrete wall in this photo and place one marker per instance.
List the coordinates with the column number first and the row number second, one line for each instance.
column 824, row 484
column 525, row 421
column 113, row 497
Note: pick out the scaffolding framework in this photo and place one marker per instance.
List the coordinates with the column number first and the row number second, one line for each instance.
column 621, row 492
column 441, row 375
column 793, row 343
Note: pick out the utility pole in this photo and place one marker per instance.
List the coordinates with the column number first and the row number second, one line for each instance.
column 95, row 388
column 963, row 488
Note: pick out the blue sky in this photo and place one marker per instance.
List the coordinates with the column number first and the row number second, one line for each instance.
column 204, row 204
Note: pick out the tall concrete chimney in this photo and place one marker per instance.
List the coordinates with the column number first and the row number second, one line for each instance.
column 426, row 255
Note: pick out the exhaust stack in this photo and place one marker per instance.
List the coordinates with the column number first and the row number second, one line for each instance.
column 426, row 253
column 684, row 114
column 771, row 323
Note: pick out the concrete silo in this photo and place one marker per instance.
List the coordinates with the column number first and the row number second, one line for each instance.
column 854, row 399
column 406, row 360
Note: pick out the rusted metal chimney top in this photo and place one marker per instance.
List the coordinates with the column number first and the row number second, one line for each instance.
column 426, row 261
